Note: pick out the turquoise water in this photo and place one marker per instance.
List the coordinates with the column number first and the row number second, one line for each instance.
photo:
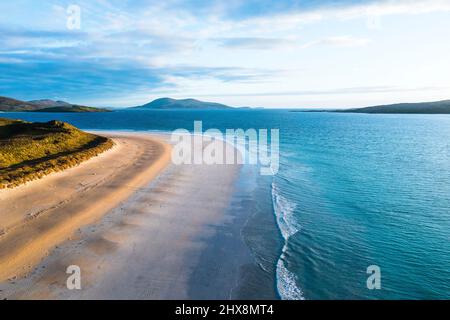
column 352, row 191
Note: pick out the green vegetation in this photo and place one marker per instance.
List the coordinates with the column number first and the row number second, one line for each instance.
column 29, row 151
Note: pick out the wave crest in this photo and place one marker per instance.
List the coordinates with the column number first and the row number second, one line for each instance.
column 284, row 212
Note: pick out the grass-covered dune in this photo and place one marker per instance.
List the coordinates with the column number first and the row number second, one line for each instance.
column 29, row 151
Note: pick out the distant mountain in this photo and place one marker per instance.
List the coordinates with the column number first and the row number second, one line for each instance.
column 11, row 105
column 50, row 103
column 71, row 108
column 438, row 107
column 45, row 105
column 186, row 104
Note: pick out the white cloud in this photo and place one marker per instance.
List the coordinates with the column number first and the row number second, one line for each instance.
column 339, row 41
column 390, row 7
column 257, row 43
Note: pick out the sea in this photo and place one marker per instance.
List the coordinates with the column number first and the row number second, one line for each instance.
column 354, row 193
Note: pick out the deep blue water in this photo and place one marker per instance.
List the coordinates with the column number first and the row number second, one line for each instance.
column 353, row 190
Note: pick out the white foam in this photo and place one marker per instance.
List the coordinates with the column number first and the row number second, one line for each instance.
column 284, row 212
column 286, row 283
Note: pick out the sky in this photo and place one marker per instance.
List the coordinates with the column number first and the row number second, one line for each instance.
column 274, row 54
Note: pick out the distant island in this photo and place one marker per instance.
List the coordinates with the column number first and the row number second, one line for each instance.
column 45, row 105
column 184, row 104
column 438, row 107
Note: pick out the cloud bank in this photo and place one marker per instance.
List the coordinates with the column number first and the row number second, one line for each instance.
column 128, row 52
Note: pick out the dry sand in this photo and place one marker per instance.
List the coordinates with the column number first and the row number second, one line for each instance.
column 150, row 242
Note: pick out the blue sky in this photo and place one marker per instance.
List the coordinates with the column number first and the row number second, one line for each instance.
column 242, row 53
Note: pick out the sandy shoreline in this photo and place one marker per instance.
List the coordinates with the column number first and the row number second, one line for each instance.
column 172, row 238
column 41, row 214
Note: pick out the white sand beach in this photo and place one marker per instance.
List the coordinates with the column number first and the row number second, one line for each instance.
column 131, row 236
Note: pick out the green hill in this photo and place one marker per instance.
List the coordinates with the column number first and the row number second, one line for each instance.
column 438, row 107
column 29, row 151
column 73, row 108
column 45, row 105
column 185, row 104
column 12, row 105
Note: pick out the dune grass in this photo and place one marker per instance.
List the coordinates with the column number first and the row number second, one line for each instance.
column 29, row 151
